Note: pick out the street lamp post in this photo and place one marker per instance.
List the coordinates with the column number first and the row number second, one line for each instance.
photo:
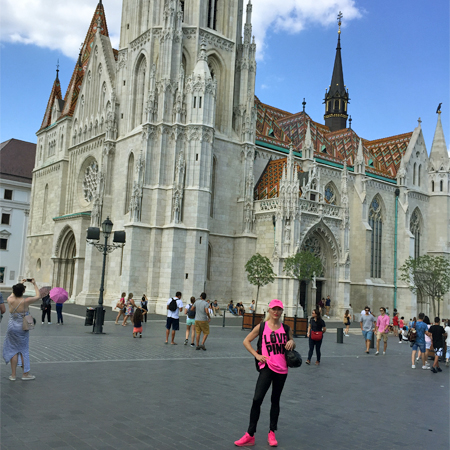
column 93, row 236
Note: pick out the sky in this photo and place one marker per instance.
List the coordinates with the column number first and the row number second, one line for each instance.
column 395, row 58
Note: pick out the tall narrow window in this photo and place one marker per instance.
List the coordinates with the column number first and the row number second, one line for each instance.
column 212, row 14
column 139, row 92
column 414, row 173
column 432, row 186
column 213, row 187
column 208, row 267
column 441, row 186
column 129, row 187
column 414, row 227
column 419, row 175
column 376, row 223
column 44, row 208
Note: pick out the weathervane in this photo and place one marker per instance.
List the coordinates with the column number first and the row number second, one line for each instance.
column 339, row 17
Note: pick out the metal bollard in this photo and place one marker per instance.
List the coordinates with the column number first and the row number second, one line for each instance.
column 223, row 321
column 340, row 336
column 372, row 340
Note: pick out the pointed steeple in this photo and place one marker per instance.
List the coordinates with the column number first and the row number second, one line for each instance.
column 55, row 94
column 98, row 23
column 336, row 98
column 439, row 147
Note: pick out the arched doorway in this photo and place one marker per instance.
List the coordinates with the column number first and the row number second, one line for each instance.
column 65, row 261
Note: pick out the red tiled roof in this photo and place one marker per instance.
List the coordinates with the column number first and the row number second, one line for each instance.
column 73, row 90
column 17, row 160
column 267, row 129
column 55, row 94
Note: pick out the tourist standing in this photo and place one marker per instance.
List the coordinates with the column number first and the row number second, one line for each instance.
column 46, row 308
column 252, row 307
column 121, row 307
column 401, row 324
column 129, row 309
column 273, row 370
column 447, row 354
column 144, row 307
column 437, row 334
column 202, row 319
column 137, row 322
column 347, row 322
column 59, row 307
column 395, row 324
column 316, row 329
column 367, row 322
column 419, row 343
column 328, row 306
column 16, row 345
column 382, row 329
column 174, row 307
column 190, row 323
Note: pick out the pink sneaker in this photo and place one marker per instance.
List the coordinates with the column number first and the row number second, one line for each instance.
column 245, row 441
column 271, row 439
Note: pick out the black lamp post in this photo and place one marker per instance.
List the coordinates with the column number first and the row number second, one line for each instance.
column 93, row 234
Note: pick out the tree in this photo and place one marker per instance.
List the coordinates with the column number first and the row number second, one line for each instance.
column 259, row 272
column 429, row 275
column 303, row 266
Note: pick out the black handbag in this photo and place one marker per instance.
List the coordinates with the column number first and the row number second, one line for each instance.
column 293, row 358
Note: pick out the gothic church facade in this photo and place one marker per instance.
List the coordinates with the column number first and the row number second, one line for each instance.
column 166, row 137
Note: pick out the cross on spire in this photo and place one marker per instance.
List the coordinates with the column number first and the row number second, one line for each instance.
column 339, row 18
column 57, row 69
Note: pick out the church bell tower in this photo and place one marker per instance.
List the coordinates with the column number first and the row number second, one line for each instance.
column 336, row 97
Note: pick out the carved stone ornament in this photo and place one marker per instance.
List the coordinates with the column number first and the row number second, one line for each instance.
column 90, row 181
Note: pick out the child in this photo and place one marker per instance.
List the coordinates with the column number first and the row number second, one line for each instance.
column 137, row 320
column 437, row 334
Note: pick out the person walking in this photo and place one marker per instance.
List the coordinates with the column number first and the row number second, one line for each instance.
column 129, row 309
column 382, row 328
column 437, row 334
column 347, row 322
column 137, row 322
column 174, row 307
column 144, row 307
column 273, row 370
column 419, row 343
column 367, row 322
column 202, row 319
column 121, row 307
column 190, row 323
column 328, row 306
column 395, row 324
column 316, row 329
column 17, row 340
column 46, row 308
column 426, row 321
column 59, row 308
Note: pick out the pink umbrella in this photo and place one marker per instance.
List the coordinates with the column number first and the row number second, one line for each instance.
column 59, row 295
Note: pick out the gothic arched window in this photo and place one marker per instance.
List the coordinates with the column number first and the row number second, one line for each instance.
column 441, row 185
column 376, row 222
column 330, row 195
column 212, row 14
column 414, row 227
column 414, row 173
column 419, row 175
column 139, row 92
column 129, row 186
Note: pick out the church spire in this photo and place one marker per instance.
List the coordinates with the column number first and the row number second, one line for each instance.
column 336, row 98
column 55, row 94
column 439, row 147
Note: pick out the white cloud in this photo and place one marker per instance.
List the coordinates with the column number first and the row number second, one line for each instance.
column 55, row 24
column 62, row 24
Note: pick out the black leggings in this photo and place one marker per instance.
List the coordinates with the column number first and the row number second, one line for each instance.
column 266, row 378
column 145, row 315
column 46, row 312
column 313, row 344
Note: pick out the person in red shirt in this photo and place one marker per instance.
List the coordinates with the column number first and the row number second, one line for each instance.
column 395, row 323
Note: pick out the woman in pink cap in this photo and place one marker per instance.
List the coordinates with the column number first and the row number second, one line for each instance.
column 276, row 338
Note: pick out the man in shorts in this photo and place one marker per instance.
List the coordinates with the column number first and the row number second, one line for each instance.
column 202, row 319
column 367, row 321
column 437, row 334
column 328, row 306
column 419, row 343
column 173, row 317
column 382, row 330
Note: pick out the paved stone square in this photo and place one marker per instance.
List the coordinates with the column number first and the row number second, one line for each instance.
column 114, row 392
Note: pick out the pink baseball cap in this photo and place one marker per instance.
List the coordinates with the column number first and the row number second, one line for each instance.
column 275, row 302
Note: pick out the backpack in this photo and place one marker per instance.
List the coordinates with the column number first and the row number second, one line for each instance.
column 287, row 330
column 412, row 335
column 191, row 313
column 173, row 305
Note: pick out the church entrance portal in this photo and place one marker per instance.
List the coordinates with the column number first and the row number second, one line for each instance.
column 65, row 262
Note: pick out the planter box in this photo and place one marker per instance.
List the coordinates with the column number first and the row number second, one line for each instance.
column 298, row 325
column 250, row 320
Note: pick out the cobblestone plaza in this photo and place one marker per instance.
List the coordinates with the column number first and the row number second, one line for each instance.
column 114, row 392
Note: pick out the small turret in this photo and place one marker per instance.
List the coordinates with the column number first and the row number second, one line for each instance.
column 360, row 165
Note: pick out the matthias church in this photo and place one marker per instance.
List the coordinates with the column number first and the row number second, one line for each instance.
column 166, row 137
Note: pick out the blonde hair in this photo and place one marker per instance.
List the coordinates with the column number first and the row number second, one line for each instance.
column 130, row 296
column 267, row 316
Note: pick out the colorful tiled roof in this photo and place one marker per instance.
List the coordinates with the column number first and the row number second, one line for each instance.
column 267, row 129
column 73, row 90
column 268, row 185
column 55, row 94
